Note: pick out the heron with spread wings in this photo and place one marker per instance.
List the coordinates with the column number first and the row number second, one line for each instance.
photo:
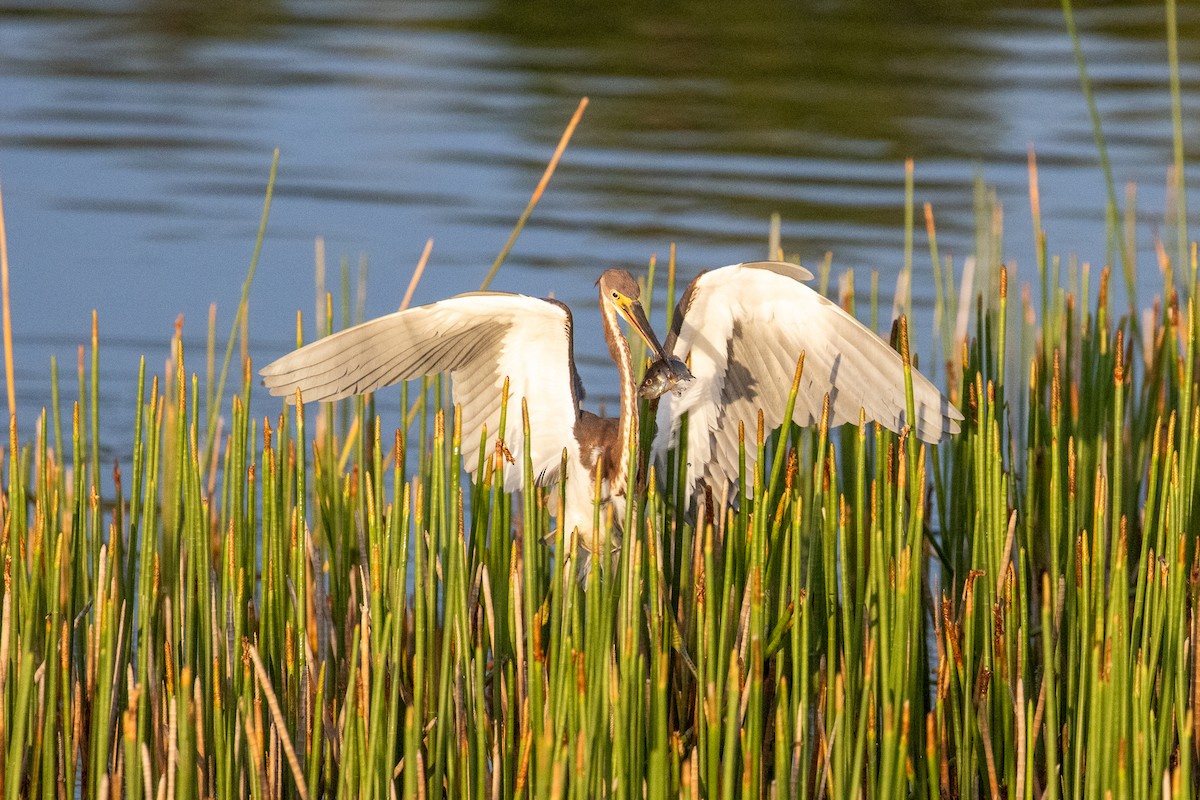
column 741, row 330
column 480, row 339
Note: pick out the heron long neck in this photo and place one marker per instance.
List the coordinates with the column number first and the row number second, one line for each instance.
column 627, row 419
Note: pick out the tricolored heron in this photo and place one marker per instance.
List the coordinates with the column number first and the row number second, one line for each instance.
column 480, row 339
column 741, row 330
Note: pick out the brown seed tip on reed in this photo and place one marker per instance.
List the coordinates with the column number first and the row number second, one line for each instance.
column 799, row 373
column 790, row 476
column 1003, row 282
column 825, row 416
column 246, row 665
column 1071, row 466
column 1119, row 367
column 982, row 682
column 129, row 722
column 168, row 667
column 1102, row 297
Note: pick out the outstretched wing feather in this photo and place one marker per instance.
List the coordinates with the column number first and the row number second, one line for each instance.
column 479, row 339
column 743, row 329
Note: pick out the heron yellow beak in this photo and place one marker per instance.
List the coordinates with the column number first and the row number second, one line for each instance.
column 635, row 315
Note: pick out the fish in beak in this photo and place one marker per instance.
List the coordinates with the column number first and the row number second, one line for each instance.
column 666, row 372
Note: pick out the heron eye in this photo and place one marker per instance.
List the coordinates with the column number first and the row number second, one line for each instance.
column 615, row 295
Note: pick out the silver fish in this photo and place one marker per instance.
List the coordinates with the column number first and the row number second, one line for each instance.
column 668, row 374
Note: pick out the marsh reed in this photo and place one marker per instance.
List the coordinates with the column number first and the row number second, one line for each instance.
column 268, row 602
column 322, row 605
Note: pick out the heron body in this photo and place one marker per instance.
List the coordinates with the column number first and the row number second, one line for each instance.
column 741, row 330
column 480, row 340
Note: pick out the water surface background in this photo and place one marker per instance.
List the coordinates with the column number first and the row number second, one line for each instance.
column 136, row 138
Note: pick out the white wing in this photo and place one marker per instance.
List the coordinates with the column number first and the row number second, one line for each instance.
column 742, row 329
column 479, row 339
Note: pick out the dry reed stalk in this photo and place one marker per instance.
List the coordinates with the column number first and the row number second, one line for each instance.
column 416, row 276
column 280, row 724
column 537, row 192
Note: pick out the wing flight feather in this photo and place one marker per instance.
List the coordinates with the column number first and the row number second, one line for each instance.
column 742, row 329
column 479, row 339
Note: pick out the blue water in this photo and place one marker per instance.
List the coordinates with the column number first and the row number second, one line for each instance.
column 136, row 138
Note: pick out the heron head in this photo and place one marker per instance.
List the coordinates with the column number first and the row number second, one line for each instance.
column 621, row 291
column 617, row 284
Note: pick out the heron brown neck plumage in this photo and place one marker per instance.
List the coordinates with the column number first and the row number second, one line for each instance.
column 627, row 416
